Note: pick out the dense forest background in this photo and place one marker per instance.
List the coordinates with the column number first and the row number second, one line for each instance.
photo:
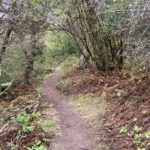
column 103, row 36
column 108, row 34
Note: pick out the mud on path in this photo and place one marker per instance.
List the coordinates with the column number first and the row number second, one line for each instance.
column 75, row 134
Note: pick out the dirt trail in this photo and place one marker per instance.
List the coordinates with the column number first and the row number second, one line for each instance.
column 75, row 133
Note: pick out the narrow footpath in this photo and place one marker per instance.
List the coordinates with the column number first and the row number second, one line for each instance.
column 75, row 133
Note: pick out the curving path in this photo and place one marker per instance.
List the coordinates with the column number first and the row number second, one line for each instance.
column 75, row 134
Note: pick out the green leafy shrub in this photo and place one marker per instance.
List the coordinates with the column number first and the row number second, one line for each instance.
column 124, row 129
column 61, row 44
column 24, row 120
column 147, row 134
column 137, row 129
column 59, row 47
column 37, row 145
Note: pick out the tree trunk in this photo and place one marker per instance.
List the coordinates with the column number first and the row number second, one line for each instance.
column 29, row 58
column 5, row 42
column 28, row 67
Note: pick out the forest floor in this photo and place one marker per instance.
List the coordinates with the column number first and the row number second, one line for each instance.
column 78, row 110
column 116, row 104
column 26, row 120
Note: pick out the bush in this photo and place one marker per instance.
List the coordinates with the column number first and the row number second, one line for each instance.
column 59, row 47
column 139, row 30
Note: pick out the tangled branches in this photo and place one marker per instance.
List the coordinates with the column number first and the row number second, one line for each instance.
column 139, row 32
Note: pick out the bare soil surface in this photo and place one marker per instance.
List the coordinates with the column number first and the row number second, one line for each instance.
column 75, row 132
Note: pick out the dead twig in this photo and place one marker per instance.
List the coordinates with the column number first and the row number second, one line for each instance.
column 1, row 130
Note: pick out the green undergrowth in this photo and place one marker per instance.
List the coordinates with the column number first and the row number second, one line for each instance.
column 91, row 107
column 71, row 61
column 61, row 51
column 138, row 135
column 26, row 123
